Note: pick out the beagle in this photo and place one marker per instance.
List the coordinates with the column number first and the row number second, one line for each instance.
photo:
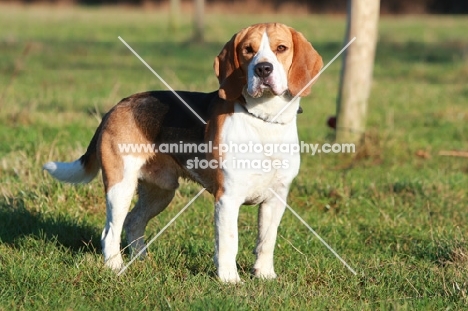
column 260, row 70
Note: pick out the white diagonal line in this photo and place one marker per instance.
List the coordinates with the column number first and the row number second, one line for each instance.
column 160, row 232
column 162, row 80
column 313, row 79
column 315, row 233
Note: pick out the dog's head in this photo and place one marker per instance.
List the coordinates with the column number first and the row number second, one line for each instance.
column 268, row 57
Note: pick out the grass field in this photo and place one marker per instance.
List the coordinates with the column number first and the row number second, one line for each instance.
column 396, row 211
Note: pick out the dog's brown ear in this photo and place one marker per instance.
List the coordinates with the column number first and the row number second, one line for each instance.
column 227, row 68
column 306, row 64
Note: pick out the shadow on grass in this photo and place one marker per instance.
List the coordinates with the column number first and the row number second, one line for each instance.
column 17, row 222
column 441, row 252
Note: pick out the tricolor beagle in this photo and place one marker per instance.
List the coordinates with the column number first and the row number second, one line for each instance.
column 259, row 71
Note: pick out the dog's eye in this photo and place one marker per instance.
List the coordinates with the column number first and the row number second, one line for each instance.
column 281, row 48
column 248, row 50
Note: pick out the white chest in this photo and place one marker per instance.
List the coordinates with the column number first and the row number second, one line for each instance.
column 257, row 155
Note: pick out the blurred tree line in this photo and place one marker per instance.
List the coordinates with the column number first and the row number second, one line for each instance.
column 313, row 6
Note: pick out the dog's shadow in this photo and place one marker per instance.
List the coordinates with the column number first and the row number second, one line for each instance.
column 17, row 223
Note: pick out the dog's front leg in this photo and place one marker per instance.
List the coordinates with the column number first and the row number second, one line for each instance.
column 269, row 217
column 226, row 244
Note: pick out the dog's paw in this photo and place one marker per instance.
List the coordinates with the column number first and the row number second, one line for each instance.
column 265, row 274
column 115, row 263
column 229, row 276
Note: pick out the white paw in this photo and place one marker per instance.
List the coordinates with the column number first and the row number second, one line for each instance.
column 229, row 276
column 115, row 262
column 265, row 274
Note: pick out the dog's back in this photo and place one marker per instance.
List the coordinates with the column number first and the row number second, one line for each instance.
column 158, row 116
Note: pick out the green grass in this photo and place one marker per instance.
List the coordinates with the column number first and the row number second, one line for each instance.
column 399, row 219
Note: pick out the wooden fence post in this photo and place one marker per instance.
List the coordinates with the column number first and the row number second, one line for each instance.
column 199, row 28
column 356, row 72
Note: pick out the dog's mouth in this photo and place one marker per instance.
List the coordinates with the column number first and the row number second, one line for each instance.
column 264, row 87
column 269, row 88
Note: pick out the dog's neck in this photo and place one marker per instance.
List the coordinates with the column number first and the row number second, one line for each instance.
column 271, row 108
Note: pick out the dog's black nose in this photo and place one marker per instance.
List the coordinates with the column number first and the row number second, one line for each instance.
column 263, row 69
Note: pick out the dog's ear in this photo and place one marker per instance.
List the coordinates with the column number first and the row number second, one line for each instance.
column 306, row 64
column 227, row 68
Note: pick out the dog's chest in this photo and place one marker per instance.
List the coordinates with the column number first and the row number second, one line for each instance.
column 257, row 154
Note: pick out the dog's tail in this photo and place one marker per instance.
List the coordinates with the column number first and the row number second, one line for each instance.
column 82, row 170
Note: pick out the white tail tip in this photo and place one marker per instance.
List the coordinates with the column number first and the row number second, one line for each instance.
column 71, row 172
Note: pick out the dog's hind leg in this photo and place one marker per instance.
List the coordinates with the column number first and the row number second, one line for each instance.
column 152, row 201
column 120, row 180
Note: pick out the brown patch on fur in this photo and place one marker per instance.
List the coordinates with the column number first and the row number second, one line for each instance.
column 117, row 128
column 228, row 70
column 222, row 110
column 135, row 120
column 148, row 115
column 305, row 66
column 163, row 171
column 89, row 159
